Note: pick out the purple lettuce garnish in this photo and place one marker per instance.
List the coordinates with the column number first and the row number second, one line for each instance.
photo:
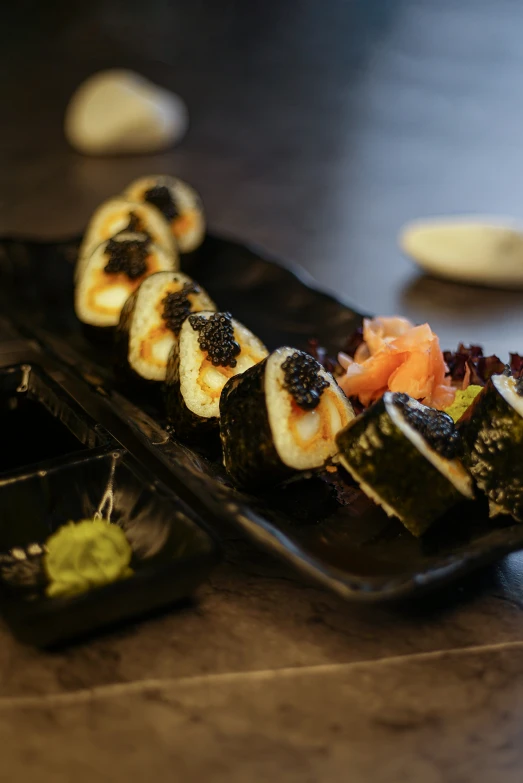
column 516, row 365
column 330, row 363
column 320, row 354
column 469, row 362
column 353, row 342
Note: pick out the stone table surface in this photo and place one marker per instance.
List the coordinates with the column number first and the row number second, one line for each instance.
column 317, row 129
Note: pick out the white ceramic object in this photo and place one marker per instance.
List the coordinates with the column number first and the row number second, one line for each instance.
column 119, row 112
column 483, row 250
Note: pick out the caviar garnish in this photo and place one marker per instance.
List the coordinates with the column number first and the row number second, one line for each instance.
column 135, row 223
column 177, row 306
column 302, row 379
column 127, row 256
column 216, row 338
column 436, row 427
column 160, row 197
column 518, row 385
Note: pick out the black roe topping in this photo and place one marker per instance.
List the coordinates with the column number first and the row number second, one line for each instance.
column 217, row 338
column 436, row 427
column 302, row 379
column 518, row 385
column 128, row 256
column 160, row 197
column 177, row 306
column 135, row 224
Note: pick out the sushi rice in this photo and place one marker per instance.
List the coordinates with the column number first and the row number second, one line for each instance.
column 150, row 338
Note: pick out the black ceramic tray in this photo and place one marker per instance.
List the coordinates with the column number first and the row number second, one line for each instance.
column 350, row 547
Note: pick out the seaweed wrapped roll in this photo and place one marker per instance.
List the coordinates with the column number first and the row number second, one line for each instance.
column 212, row 347
column 492, row 434
column 280, row 417
column 120, row 214
column 113, row 272
column 404, row 457
column 151, row 320
column 179, row 204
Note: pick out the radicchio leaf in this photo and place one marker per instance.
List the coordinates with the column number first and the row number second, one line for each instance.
column 516, row 365
column 353, row 342
column 320, row 354
column 468, row 365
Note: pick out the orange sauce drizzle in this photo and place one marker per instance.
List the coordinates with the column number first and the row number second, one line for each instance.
column 324, row 431
column 157, row 333
column 103, row 281
column 227, row 372
column 182, row 224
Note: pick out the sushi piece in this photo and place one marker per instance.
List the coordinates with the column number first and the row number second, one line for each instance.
column 179, row 204
column 212, row 347
column 120, row 214
column 280, row 417
column 404, row 457
column 112, row 273
column 492, row 435
column 151, row 320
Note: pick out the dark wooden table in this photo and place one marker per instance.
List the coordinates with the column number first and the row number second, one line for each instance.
column 317, row 129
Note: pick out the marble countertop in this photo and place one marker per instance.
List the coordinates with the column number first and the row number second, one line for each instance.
column 316, row 131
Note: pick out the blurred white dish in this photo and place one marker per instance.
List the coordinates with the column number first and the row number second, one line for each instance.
column 480, row 249
column 119, row 112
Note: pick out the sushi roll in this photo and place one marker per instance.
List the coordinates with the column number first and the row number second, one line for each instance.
column 280, row 417
column 151, row 320
column 212, row 347
column 404, row 457
column 179, row 204
column 492, row 435
column 112, row 273
column 120, row 214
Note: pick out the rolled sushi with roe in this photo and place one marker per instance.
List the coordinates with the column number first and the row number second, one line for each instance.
column 211, row 348
column 179, row 204
column 404, row 456
column 113, row 272
column 121, row 214
column 492, row 435
column 151, row 320
column 280, row 417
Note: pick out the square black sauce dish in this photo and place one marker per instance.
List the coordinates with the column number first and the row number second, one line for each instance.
column 170, row 552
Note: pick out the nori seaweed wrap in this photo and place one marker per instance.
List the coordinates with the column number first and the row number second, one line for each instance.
column 492, row 434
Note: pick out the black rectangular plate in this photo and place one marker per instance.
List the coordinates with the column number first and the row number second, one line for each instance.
column 353, row 549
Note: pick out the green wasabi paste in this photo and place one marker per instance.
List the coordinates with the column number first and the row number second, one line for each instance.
column 86, row 554
column 463, row 399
